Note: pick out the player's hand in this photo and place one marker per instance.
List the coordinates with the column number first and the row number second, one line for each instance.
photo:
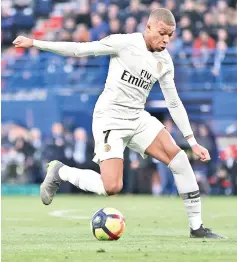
column 22, row 41
column 201, row 152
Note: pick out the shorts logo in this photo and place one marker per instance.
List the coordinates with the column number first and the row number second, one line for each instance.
column 107, row 147
column 159, row 67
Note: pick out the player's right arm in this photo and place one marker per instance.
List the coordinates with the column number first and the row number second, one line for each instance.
column 106, row 46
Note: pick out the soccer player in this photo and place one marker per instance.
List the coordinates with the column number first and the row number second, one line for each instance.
column 137, row 61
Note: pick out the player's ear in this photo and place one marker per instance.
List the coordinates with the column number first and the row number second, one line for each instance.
column 148, row 27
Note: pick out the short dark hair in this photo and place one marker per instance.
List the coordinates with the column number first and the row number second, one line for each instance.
column 163, row 14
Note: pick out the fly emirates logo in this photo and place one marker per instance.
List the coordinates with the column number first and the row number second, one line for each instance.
column 145, row 81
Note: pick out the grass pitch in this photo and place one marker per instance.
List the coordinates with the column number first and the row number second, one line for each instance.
column 156, row 230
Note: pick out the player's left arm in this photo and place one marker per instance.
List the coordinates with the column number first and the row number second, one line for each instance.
column 179, row 115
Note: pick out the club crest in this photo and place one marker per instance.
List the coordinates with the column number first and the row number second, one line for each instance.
column 107, row 147
column 159, row 67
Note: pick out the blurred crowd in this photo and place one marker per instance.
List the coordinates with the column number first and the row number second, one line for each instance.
column 202, row 27
column 199, row 23
column 206, row 33
column 26, row 152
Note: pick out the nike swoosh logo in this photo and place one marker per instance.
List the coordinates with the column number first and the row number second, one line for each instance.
column 193, row 195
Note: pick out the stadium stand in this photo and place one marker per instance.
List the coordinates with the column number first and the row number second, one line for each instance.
column 204, row 46
column 204, row 51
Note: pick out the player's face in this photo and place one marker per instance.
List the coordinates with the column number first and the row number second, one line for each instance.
column 159, row 35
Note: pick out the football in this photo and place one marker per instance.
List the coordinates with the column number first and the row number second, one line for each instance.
column 108, row 224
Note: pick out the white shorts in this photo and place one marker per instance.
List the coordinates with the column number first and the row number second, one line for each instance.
column 136, row 134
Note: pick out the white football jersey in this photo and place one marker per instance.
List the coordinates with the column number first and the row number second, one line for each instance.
column 133, row 70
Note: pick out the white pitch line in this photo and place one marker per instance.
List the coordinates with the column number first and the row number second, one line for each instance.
column 65, row 213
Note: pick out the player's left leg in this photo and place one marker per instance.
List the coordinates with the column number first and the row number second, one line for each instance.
column 165, row 149
column 153, row 139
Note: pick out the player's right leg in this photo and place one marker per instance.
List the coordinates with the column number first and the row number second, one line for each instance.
column 109, row 182
column 109, row 154
column 111, row 171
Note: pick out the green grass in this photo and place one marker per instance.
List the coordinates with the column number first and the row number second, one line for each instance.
column 156, row 230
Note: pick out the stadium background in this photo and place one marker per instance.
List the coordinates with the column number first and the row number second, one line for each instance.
column 48, row 100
